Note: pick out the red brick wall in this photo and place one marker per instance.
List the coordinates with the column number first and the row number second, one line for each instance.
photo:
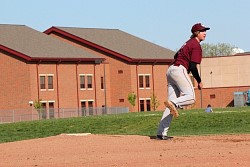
column 160, row 84
column 34, row 88
column 45, row 70
column 67, row 77
column 14, row 83
column 20, row 83
column 217, row 97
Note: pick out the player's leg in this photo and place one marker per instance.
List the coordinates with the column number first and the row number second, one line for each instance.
column 166, row 119
column 185, row 86
column 164, row 124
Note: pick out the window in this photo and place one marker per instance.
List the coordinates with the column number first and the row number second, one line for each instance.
column 86, row 81
column 144, row 81
column 147, row 81
column 43, row 112
column 89, row 78
column 87, row 107
column 51, row 110
column 42, row 82
column 120, row 71
column 91, row 110
column 82, row 82
column 43, row 104
column 140, row 81
column 212, row 96
column 102, row 83
column 50, row 82
column 148, row 105
column 90, row 104
column 142, row 105
column 121, row 100
column 83, row 106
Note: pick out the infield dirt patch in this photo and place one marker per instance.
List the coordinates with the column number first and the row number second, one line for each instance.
column 128, row 150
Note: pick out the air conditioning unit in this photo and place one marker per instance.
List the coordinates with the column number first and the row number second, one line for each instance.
column 239, row 99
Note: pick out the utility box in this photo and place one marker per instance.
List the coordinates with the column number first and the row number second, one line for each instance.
column 239, row 99
column 248, row 97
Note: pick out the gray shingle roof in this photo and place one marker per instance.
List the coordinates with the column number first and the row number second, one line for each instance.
column 121, row 42
column 36, row 44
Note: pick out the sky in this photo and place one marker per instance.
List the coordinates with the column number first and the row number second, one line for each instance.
column 163, row 22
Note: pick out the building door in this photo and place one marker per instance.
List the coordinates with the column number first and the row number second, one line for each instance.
column 148, row 105
column 83, row 108
column 43, row 113
column 90, row 105
column 51, row 110
column 142, row 105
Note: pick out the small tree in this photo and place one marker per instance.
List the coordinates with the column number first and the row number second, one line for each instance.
column 132, row 98
column 154, row 102
column 38, row 106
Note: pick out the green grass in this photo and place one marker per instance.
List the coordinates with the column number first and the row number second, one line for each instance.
column 190, row 122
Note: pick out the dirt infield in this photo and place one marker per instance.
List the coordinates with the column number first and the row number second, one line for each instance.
column 132, row 151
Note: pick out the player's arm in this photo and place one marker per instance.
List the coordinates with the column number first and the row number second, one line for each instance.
column 193, row 69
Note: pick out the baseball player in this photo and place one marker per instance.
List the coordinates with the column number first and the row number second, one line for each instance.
column 180, row 88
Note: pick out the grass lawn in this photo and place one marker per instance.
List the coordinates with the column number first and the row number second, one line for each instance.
column 190, row 122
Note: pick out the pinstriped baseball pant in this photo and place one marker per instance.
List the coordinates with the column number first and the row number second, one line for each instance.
column 180, row 92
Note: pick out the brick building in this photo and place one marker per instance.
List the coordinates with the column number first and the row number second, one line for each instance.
column 37, row 66
column 80, row 72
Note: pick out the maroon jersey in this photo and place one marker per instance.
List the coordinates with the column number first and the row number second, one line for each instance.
column 190, row 52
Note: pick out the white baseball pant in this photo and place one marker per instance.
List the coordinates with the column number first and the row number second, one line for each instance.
column 180, row 92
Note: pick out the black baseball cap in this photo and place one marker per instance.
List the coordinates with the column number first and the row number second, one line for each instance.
column 199, row 27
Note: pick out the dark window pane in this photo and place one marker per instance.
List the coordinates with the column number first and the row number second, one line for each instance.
column 148, row 105
column 89, row 81
column 140, row 81
column 142, row 105
column 42, row 82
column 147, row 81
column 82, row 82
column 50, row 82
column 102, row 83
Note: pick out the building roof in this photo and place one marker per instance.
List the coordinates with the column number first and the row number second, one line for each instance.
column 114, row 41
column 30, row 44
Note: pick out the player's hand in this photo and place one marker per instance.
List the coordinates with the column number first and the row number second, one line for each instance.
column 200, row 85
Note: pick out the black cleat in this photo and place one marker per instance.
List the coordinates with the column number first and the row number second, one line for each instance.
column 160, row 137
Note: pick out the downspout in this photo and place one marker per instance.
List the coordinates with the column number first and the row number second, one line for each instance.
column 77, row 88
column 37, row 80
column 57, row 85
column 105, row 93
column 153, row 82
column 137, row 87
column 95, row 85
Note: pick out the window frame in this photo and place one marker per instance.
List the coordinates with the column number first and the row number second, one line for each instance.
column 52, row 84
column 141, row 81
column 147, row 82
column 142, row 104
column 91, row 80
column 102, row 83
column 40, row 83
column 80, row 81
